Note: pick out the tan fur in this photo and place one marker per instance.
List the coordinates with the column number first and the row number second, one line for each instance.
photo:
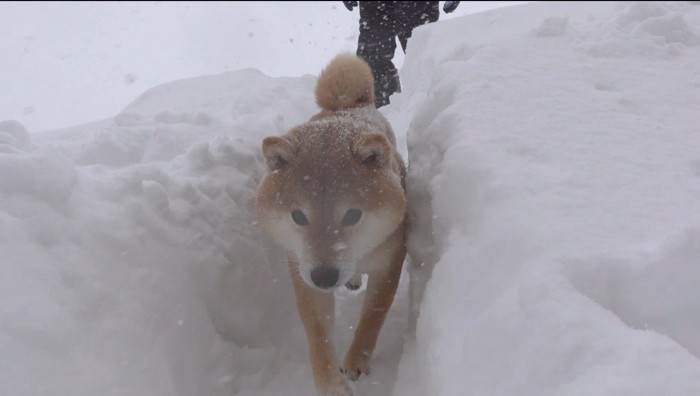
column 344, row 84
column 344, row 159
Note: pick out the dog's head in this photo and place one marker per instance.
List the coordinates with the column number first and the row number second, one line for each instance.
column 332, row 194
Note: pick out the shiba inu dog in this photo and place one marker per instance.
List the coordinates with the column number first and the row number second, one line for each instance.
column 333, row 198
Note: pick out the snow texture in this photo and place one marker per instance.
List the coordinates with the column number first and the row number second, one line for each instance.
column 554, row 189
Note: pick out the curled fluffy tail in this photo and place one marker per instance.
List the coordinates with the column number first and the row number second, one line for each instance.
column 345, row 83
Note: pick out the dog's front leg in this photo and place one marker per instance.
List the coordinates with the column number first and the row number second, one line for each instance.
column 381, row 289
column 317, row 312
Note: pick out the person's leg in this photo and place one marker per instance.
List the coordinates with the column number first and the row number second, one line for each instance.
column 411, row 14
column 377, row 44
column 403, row 36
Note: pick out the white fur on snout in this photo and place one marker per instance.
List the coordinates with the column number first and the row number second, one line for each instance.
column 308, row 262
column 371, row 231
column 347, row 271
column 363, row 238
column 288, row 235
column 305, row 273
column 339, row 247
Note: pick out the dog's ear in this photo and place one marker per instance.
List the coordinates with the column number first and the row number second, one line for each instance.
column 373, row 150
column 278, row 152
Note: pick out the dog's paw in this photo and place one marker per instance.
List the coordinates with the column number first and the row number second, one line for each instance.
column 354, row 283
column 355, row 365
column 339, row 387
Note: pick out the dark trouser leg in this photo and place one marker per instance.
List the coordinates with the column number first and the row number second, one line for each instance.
column 377, row 44
column 411, row 14
column 403, row 39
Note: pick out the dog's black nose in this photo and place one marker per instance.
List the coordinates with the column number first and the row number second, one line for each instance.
column 325, row 277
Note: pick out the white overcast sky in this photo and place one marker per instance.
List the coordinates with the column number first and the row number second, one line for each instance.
column 70, row 63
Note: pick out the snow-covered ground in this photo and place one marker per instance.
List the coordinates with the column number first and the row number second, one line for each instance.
column 554, row 182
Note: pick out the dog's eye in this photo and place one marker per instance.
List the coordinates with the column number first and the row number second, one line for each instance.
column 299, row 218
column 352, row 216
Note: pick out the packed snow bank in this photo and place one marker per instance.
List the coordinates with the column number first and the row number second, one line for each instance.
column 554, row 188
column 131, row 261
